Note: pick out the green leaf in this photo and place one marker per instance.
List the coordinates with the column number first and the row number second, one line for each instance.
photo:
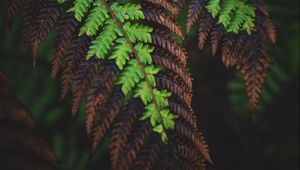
column 102, row 44
column 80, row 8
column 96, row 18
column 121, row 53
column 127, row 11
column 235, row 15
column 158, row 129
column 213, row 7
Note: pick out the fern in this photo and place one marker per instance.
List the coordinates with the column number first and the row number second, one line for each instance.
column 124, row 60
column 238, row 31
column 235, row 15
column 19, row 142
column 273, row 85
column 140, row 72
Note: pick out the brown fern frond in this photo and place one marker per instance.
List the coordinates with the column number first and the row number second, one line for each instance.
column 206, row 25
column 148, row 155
column 186, row 114
column 194, row 136
column 253, row 67
column 123, row 127
column 166, row 60
column 11, row 109
column 10, row 13
column 239, row 50
column 216, row 38
column 177, row 90
column 19, row 143
column 64, row 36
column 75, row 55
column 164, row 41
column 137, row 140
column 99, row 93
column 174, row 10
column 83, row 80
column 195, row 9
column 187, row 152
column 31, row 12
column 49, row 14
column 106, row 117
column 158, row 16
column 270, row 30
column 229, row 57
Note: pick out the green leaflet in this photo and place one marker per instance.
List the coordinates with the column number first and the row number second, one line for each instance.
column 61, row 1
column 138, row 74
column 80, row 8
column 235, row 15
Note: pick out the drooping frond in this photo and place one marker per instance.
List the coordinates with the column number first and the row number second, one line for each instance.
column 238, row 30
column 194, row 12
column 19, row 143
column 67, row 27
column 49, row 13
column 10, row 13
column 31, row 12
column 125, row 61
column 206, row 25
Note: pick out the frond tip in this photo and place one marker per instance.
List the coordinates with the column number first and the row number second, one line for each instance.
column 238, row 30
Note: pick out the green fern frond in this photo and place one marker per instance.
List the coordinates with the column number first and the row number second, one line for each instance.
column 214, row 7
column 80, row 8
column 61, row 1
column 122, row 39
column 235, row 15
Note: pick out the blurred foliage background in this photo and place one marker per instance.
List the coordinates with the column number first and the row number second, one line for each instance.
column 269, row 141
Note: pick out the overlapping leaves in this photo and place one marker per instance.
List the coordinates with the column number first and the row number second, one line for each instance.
column 137, row 76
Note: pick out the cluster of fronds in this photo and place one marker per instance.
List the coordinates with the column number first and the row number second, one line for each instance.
column 241, row 46
column 124, row 60
column 20, row 146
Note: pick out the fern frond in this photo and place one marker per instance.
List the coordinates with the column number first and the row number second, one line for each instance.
column 67, row 27
column 142, row 88
column 206, row 25
column 10, row 13
column 253, row 68
column 167, row 6
column 240, row 29
column 82, row 81
column 18, row 140
column 75, row 55
column 235, row 15
column 163, row 19
column 216, row 38
column 194, row 12
column 148, row 155
column 122, row 129
column 107, row 116
column 49, row 16
column 166, row 43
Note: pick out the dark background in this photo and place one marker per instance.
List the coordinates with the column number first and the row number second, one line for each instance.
column 269, row 141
